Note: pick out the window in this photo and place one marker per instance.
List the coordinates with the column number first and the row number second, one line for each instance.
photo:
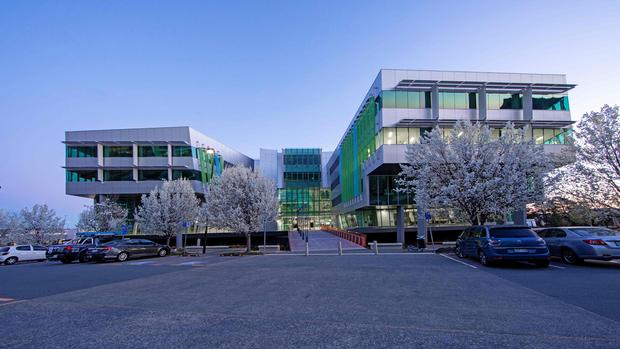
column 389, row 135
column 117, row 175
column 497, row 101
column 81, row 152
column 401, row 99
column 550, row 102
column 182, row 151
column 187, row 174
column 414, row 135
column 160, row 151
column 153, row 175
column 512, row 233
column 118, row 151
column 402, row 135
column 389, row 99
column 415, row 99
column 39, row 248
column 425, row 131
column 82, row 176
column 473, row 100
column 553, row 135
column 23, row 248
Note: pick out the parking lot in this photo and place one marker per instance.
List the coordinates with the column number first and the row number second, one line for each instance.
column 324, row 300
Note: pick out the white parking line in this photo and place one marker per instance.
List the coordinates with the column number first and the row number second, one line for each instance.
column 556, row 266
column 456, row 260
column 191, row 263
column 141, row 263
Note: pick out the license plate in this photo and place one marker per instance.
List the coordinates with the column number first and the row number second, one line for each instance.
column 522, row 250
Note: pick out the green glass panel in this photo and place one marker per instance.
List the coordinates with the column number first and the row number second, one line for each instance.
column 388, row 99
column 401, row 99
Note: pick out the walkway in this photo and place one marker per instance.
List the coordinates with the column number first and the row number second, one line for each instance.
column 319, row 241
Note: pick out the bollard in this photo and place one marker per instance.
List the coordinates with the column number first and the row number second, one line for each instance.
column 339, row 248
column 376, row 248
column 307, row 250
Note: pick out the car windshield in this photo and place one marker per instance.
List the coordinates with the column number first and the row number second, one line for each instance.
column 595, row 232
column 499, row 233
column 4, row 249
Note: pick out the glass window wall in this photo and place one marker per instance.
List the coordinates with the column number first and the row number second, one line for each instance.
column 118, row 151
column 183, row 151
column 81, row 151
column 153, row 175
column 82, row 176
column 160, row 151
column 550, row 102
column 117, row 175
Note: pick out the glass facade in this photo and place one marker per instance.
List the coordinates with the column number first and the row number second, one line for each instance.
column 405, row 99
column 550, row 102
column 117, row 175
column 496, row 101
column 302, row 197
column 153, row 175
column 147, row 151
column 457, row 100
column 117, row 151
column 382, row 191
column 552, row 135
column 81, row 151
column 182, row 151
column 187, row 174
column 82, row 176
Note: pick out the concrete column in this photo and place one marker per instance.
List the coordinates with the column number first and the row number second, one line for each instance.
column 435, row 102
column 100, row 162
column 482, row 103
column 421, row 224
column 169, row 173
column 169, row 155
column 134, row 151
column 400, row 224
column 527, row 104
column 135, row 174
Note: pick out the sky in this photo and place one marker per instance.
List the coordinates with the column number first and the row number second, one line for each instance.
column 270, row 74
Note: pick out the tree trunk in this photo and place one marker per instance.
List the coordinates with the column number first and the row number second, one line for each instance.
column 248, row 242
column 168, row 241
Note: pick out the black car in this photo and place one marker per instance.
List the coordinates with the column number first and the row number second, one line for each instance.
column 122, row 250
column 74, row 249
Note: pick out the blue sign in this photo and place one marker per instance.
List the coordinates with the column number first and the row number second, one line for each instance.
column 428, row 216
column 124, row 230
column 186, row 224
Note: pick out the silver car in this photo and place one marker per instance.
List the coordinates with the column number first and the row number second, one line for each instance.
column 574, row 244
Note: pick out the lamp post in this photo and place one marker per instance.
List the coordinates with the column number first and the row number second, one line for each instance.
column 209, row 151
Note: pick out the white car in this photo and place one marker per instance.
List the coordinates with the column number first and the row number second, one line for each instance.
column 12, row 254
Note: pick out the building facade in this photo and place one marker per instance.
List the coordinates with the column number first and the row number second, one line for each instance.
column 353, row 186
column 402, row 105
column 304, row 196
column 124, row 164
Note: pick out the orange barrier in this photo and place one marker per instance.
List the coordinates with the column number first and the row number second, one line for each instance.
column 356, row 238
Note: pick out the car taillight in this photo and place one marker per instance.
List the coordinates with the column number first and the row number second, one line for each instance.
column 68, row 248
column 597, row 242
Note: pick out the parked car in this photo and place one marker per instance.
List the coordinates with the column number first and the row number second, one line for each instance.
column 10, row 255
column 492, row 244
column 574, row 244
column 73, row 250
column 122, row 250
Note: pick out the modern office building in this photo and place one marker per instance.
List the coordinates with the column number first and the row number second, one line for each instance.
column 402, row 105
column 124, row 164
column 352, row 187
column 303, row 191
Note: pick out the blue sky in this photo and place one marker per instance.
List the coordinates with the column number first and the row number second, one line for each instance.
column 258, row 74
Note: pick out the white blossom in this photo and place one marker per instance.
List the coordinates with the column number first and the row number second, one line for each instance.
column 104, row 216
column 164, row 210
column 38, row 225
column 470, row 172
column 240, row 200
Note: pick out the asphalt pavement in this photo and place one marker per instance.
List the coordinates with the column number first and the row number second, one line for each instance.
column 277, row 301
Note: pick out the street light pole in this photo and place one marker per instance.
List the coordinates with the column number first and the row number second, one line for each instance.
column 204, row 243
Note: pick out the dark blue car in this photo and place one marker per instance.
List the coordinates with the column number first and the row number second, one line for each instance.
column 492, row 244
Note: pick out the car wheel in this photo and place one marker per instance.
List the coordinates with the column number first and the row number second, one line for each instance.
column 483, row 259
column 10, row 261
column 570, row 257
column 541, row 264
column 459, row 252
column 82, row 258
column 162, row 253
column 122, row 257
